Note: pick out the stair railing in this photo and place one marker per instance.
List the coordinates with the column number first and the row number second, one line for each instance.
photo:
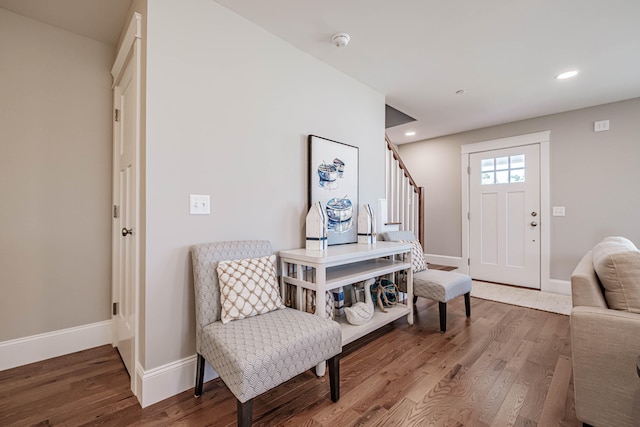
column 405, row 200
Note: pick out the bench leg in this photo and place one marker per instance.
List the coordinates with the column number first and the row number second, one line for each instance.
column 467, row 303
column 334, row 377
column 443, row 316
column 245, row 413
column 199, row 376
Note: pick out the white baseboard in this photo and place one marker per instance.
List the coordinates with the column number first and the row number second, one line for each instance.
column 450, row 261
column 556, row 286
column 168, row 380
column 35, row 348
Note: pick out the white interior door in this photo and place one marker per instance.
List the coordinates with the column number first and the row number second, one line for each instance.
column 504, row 216
column 125, row 241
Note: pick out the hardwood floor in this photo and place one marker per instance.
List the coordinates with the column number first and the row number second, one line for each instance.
column 506, row 366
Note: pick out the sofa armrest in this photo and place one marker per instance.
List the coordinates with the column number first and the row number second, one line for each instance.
column 605, row 346
column 585, row 286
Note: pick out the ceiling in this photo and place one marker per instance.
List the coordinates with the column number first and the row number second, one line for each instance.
column 504, row 54
column 100, row 20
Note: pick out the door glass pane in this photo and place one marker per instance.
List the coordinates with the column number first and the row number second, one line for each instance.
column 502, row 163
column 502, row 177
column 517, row 162
column 487, row 178
column 502, row 170
column 517, row 175
column 486, row 165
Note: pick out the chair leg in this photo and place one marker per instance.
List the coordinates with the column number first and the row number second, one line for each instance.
column 199, row 375
column 415, row 299
column 443, row 316
column 245, row 413
column 334, row 377
column 467, row 303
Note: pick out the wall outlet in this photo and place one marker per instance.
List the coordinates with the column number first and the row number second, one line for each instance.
column 601, row 126
column 558, row 211
column 199, row 204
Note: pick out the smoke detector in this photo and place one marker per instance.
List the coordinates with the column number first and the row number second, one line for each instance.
column 341, row 39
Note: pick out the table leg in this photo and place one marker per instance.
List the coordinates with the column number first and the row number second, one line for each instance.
column 410, row 290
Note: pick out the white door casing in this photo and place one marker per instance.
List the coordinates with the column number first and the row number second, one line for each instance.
column 504, row 198
column 126, row 197
column 543, row 140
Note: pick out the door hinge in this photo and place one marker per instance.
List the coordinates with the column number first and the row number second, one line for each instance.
column 468, row 170
column 469, row 216
column 115, row 308
column 116, row 211
column 116, row 115
column 468, row 261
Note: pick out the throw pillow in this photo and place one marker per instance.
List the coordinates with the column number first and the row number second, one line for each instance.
column 248, row 287
column 617, row 264
column 417, row 256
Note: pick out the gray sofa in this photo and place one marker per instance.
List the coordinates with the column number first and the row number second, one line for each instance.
column 605, row 334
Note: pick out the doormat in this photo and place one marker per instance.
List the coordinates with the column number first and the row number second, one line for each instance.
column 523, row 297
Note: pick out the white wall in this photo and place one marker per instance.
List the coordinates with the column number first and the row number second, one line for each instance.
column 229, row 107
column 594, row 175
column 55, row 178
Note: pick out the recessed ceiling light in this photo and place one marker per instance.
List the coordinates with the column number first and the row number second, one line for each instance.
column 567, row 75
column 410, row 133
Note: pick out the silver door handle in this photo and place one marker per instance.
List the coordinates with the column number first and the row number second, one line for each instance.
column 125, row 232
column 534, row 224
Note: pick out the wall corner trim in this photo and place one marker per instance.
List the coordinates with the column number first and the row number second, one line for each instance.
column 35, row 348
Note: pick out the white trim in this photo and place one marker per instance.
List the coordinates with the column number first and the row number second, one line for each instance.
column 512, row 141
column 546, row 283
column 129, row 50
column 556, row 286
column 543, row 139
column 36, row 348
column 134, row 31
column 464, row 179
column 450, row 261
column 168, row 380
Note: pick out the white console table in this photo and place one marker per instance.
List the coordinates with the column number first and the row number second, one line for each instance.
column 342, row 265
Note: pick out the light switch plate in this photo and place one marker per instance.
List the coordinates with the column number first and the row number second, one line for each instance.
column 199, row 204
column 601, row 126
column 558, row 211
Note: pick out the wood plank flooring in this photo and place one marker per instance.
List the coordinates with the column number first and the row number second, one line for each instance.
column 506, row 366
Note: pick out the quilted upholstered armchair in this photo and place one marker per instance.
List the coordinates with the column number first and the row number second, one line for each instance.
column 253, row 354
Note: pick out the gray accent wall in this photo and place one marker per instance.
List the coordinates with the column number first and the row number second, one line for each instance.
column 229, row 108
column 594, row 175
column 55, row 178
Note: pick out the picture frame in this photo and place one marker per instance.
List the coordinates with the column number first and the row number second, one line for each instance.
column 334, row 182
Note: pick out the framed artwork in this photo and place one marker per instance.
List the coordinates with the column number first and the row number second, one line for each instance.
column 333, row 181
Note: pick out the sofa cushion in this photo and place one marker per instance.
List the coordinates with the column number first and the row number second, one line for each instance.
column 616, row 261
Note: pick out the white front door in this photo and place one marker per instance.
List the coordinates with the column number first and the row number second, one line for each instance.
column 125, row 214
column 504, row 216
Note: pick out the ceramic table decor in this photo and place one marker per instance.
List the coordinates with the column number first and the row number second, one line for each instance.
column 361, row 312
column 366, row 225
column 317, row 235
